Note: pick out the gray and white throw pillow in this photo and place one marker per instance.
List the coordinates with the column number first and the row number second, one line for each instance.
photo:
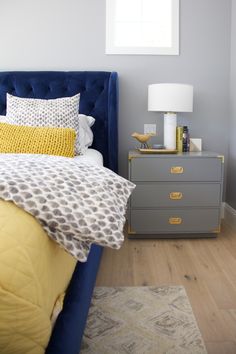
column 59, row 112
column 5, row 119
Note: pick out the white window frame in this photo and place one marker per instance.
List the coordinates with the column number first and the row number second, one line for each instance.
column 112, row 49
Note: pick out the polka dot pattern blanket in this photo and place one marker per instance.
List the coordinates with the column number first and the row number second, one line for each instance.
column 76, row 203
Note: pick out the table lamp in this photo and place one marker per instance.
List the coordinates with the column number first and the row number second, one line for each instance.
column 170, row 99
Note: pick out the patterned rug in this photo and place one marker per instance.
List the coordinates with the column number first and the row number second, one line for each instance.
column 141, row 320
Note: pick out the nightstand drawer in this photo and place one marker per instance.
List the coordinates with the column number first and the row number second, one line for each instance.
column 162, row 195
column 174, row 221
column 176, row 169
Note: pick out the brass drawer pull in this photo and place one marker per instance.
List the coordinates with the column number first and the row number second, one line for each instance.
column 177, row 170
column 176, row 195
column 175, row 221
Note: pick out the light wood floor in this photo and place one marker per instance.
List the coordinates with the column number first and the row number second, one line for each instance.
column 205, row 267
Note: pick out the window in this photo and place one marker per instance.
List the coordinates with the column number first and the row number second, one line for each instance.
column 142, row 27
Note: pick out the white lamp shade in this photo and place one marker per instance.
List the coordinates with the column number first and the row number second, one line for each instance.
column 170, row 98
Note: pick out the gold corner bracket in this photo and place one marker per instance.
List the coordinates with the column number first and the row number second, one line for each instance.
column 130, row 231
column 222, row 158
column 217, row 231
column 130, row 157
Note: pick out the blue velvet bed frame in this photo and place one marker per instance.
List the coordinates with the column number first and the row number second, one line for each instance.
column 99, row 98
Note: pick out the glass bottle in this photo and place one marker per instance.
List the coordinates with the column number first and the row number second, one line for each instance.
column 186, row 140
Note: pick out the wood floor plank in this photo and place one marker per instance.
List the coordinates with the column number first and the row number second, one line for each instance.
column 228, row 238
column 212, row 273
column 221, row 347
column 202, row 301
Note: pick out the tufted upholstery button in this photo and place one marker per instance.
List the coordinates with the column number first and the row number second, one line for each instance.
column 91, row 106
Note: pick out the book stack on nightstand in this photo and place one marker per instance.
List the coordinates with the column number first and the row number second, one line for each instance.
column 177, row 196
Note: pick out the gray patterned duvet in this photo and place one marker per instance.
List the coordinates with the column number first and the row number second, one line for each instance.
column 76, row 203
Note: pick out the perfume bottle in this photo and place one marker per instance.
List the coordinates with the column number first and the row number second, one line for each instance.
column 186, row 139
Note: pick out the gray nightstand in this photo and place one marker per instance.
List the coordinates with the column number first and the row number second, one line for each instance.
column 176, row 196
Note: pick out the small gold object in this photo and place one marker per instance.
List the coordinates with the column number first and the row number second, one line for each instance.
column 143, row 139
column 175, row 221
column 176, row 195
column 222, row 158
column 177, row 170
column 134, row 155
column 158, row 151
column 217, row 231
column 130, row 231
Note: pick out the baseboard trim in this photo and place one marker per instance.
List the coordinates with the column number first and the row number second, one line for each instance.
column 230, row 215
column 222, row 210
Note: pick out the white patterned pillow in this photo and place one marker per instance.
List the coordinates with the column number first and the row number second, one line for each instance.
column 59, row 112
column 5, row 119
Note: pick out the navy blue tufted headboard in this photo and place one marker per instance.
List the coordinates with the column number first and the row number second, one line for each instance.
column 99, row 98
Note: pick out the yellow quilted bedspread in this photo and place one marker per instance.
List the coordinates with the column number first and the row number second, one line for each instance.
column 34, row 271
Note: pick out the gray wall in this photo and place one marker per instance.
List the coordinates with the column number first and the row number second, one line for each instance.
column 231, row 180
column 70, row 35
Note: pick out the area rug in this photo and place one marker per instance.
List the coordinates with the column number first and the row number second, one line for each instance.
column 141, row 320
